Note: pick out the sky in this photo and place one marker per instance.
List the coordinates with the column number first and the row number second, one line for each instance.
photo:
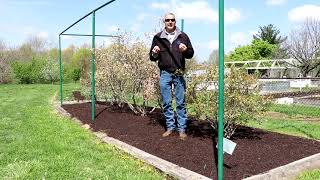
column 21, row 19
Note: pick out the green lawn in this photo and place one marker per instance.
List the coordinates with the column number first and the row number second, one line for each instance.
column 310, row 175
column 296, row 110
column 291, row 127
column 294, row 120
column 36, row 143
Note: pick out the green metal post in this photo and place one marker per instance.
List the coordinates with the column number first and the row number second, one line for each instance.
column 60, row 65
column 93, row 66
column 221, row 90
column 182, row 24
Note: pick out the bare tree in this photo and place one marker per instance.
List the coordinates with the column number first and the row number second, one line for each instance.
column 33, row 46
column 304, row 44
column 4, row 63
column 214, row 57
column 37, row 44
column 2, row 45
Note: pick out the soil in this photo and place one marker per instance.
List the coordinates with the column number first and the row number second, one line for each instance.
column 257, row 151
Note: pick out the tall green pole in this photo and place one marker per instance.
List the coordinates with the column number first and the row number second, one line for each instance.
column 60, row 65
column 93, row 66
column 182, row 24
column 221, row 90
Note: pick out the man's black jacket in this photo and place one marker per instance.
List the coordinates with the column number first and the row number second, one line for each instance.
column 170, row 58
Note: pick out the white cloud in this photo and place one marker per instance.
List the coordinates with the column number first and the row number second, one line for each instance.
column 33, row 3
column 43, row 35
column 206, row 48
column 67, row 37
column 112, row 28
column 253, row 32
column 301, row 13
column 238, row 38
column 213, row 44
column 163, row 6
column 276, row 2
column 135, row 27
column 32, row 31
column 207, row 45
column 142, row 16
column 232, row 15
column 140, row 19
column 198, row 10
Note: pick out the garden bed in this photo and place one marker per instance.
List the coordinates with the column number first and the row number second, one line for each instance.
column 257, row 151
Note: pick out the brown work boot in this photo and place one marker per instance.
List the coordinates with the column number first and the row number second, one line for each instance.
column 167, row 133
column 182, row 135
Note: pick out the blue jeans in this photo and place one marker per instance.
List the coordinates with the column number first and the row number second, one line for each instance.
column 179, row 84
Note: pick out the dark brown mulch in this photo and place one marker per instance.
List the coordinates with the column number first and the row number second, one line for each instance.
column 257, row 151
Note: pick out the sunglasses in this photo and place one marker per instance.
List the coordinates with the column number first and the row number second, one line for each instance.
column 167, row 20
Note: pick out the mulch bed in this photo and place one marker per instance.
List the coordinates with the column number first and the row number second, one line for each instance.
column 257, row 151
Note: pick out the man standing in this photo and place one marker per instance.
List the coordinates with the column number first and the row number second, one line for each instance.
column 170, row 47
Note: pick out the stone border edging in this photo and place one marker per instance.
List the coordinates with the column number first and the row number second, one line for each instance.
column 163, row 165
column 290, row 170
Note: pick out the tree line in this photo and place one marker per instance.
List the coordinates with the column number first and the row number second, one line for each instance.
column 36, row 62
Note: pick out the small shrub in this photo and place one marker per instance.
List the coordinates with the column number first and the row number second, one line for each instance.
column 50, row 71
column 125, row 75
column 241, row 99
column 38, row 70
column 75, row 74
column 23, row 72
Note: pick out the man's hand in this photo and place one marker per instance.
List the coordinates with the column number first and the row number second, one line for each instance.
column 182, row 47
column 155, row 50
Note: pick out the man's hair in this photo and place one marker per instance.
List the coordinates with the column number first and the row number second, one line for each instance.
column 166, row 14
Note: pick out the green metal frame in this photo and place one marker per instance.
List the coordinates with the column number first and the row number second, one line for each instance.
column 93, row 35
column 221, row 73
column 182, row 25
column 221, row 90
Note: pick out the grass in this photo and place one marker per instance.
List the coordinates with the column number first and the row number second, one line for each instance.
column 310, row 175
column 36, row 143
column 67, row 91
column 293, row 120
column 295, row 110
column 290, row 127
